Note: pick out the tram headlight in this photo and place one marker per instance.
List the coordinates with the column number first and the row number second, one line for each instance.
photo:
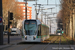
column 26, row 37
column 59, row 33
column 34, row 37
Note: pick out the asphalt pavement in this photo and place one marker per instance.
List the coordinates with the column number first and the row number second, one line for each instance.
column 14, row 40
column 38, row 47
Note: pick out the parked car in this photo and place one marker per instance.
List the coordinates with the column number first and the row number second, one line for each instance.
column 15, row 31
column 5, row 32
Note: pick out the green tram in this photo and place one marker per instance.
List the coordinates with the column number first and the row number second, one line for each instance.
column 34, row 31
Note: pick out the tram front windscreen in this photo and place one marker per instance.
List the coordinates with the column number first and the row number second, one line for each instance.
column 30, row 27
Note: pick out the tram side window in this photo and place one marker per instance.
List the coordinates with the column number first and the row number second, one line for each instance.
column 39, row 30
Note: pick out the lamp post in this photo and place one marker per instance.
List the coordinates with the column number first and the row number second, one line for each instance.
column 36, row 9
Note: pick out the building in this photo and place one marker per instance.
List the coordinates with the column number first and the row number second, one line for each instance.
column 21, row 13
column 21, row 9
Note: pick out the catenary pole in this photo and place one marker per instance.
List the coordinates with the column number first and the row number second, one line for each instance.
column 26, row 9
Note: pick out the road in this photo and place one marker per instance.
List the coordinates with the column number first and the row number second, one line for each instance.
column 13, row 39
column 53, row 43
column 38, row 47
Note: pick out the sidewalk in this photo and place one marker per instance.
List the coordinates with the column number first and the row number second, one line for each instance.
column 11, row 43
column 4, row 46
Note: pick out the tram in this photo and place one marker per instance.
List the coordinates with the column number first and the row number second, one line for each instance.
column 59, row 32
column 34, row 31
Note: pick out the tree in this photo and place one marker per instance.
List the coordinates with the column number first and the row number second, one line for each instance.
column 10, row 5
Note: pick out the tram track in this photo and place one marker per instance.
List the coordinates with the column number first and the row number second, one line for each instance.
column 70, row 47
column 30, row 47
column 52, row 41
column 59, row 42
column 68, row 43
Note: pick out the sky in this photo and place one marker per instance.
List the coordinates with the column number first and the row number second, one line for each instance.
column 55, row 10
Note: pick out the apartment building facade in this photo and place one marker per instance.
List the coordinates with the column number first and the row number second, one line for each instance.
column 21, row 10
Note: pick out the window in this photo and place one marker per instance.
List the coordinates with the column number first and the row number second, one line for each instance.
column 19, row 10
column 30, row 27
column 19, row 4
column 19, row 7
column 39, row 30
column 27, row 16
column 23, row 13
column 27, row 13
column 23, row 10
column 23, row 7
column 28, row 8
column 23, row 4
column 23, row 16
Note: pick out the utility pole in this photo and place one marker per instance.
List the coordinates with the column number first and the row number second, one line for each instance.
column 45, row 16
column 41, row 13
column 1, row 26
column 50, row 26
column 47, row 20
column 36, row 9
column 39, row 7
column 26, row 9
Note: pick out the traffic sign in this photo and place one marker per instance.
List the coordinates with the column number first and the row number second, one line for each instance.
column 0, row 20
